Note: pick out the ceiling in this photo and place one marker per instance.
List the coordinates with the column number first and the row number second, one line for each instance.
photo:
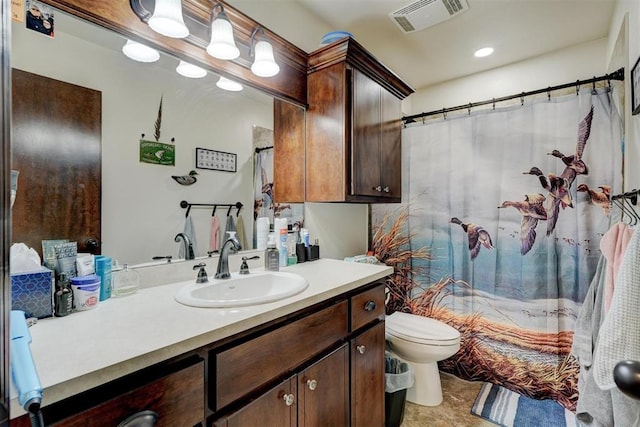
column 516, row 29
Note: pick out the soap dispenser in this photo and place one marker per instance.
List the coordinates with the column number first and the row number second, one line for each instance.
column 272, row 256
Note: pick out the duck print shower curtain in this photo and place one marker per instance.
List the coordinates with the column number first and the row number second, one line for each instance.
column 498, row 234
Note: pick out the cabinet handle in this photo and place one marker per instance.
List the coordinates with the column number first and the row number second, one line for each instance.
column 370, row 306
column 312, row 384
column 289, row 399
column 361, row 349
column 378, row 188
column 385, row 189
column 146, row 418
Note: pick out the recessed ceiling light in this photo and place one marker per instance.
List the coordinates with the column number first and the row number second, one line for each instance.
column 485, row 51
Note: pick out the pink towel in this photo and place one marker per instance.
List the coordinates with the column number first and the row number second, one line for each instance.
column 613, row 245
column 214, row 237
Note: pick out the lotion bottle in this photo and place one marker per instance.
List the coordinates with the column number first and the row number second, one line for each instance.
column 271, row 255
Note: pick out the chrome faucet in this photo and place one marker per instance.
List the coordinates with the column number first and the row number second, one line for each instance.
column 223, row 262
column 186, row 244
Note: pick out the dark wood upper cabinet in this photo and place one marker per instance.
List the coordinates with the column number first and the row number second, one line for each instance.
column 354, row 126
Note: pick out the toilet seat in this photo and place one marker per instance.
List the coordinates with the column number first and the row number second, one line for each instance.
column 420, row 329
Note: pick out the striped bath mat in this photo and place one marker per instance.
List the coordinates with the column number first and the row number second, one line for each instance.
column 510, row 409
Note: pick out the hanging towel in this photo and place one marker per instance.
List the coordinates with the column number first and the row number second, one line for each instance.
column 230, row 225
column 191, row 234
column 613, row 245
column 619, row 337
column 214, row 235
column 240, row 232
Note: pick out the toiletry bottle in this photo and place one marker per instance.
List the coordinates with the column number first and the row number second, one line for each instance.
column 63, row 297
column 124, row 282
column 271, row 256
column 283, row 247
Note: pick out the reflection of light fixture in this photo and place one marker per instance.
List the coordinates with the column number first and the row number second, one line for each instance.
column 140, row 52
column 264, row 65
column 227, row 84
column 167, row 19
column 190, row 70
column 222, row 44
column 485, row 51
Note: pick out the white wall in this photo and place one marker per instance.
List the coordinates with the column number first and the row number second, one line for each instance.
column 578, row 62
column 140, row 202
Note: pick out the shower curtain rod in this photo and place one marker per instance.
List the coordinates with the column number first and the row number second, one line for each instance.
column 616, row 75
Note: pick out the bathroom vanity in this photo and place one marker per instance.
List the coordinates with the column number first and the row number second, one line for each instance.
column 316, row 358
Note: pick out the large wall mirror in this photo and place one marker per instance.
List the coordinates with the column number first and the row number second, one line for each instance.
column 141, row 212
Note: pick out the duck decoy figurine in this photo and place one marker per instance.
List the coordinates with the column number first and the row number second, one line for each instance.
column 532, row 211
column 599, row 198
column 186, row 179
column 477, row 236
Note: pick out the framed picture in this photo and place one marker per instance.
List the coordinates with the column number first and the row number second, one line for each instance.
column 216, row 160
column 635, row 88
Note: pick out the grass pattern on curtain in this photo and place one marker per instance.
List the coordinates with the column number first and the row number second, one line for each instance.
column 475, row 245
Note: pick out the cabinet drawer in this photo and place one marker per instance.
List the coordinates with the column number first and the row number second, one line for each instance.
column 177, row 398
column 367, row 306
column 247, row 366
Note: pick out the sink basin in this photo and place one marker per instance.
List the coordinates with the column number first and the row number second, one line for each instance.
column 257, row 287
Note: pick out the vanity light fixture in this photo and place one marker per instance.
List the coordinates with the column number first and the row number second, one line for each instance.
column 167, row 19
column 228, row 84
column 222, row 44
column 264, row 64
column 190, row 70
column 485, row 51
column 139, row 52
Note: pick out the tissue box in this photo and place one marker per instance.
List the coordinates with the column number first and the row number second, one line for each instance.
column 32, row 292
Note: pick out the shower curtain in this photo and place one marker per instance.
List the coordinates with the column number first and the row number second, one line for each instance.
column 499, row 233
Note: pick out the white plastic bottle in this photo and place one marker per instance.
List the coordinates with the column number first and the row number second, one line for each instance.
column 283, row 247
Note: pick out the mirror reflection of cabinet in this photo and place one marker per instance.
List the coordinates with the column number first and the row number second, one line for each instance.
column 56, row 132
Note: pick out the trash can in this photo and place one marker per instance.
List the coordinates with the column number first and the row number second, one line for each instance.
column 398, row 378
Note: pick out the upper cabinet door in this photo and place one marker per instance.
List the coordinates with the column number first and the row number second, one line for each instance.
column 390, row 145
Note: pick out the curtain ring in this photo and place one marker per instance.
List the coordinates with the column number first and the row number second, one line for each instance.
column 549, row 93
column 469, row 109
column 444, row 113
column 577, row 87
column 593, row 87
column 522, row 99
column 494, row 103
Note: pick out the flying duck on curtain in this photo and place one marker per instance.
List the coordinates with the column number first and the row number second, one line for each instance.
column 532, row 210
column 477, row 236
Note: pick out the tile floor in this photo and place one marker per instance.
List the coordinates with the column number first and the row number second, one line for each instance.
column 455, row 410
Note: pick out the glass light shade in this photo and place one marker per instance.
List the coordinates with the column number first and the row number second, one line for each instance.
column 190, row 70
column 222, row 45
column 167, row 19
column 140, row 52
column 227, row 84
column 264, row 64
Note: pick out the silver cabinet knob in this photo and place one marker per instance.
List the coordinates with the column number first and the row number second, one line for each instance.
column 289, row 399
column 385, row 189
column 361, row 349
column 312, row 384
column 378, row 188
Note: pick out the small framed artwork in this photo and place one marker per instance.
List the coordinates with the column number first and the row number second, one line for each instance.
column 216, row 160
column 635, row 88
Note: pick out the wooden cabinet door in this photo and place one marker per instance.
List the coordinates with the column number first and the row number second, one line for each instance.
column 288, row 145
column 323, row 391
column 56, row 147
column 277, row 407
column 367, row 378
column 365, row 143
column 390, row 145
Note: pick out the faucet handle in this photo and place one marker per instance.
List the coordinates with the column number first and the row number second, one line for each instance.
column 244, row 267
column 202, row 273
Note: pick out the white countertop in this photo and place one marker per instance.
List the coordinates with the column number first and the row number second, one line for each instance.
column 123, row 335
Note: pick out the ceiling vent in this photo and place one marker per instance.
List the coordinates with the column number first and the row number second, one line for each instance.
column 425, row 13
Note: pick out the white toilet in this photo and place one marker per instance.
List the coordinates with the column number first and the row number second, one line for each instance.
column 422, row 342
